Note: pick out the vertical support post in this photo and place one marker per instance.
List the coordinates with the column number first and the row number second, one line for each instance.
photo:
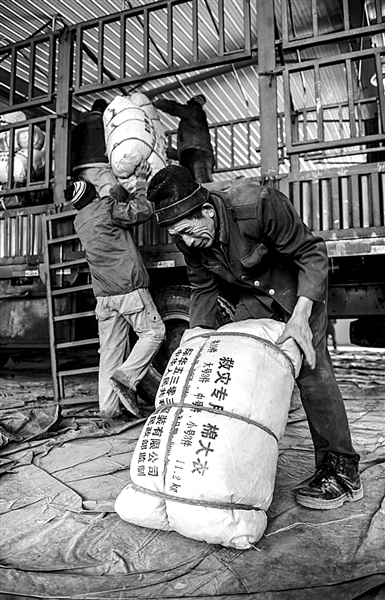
column 63, row 121
column 267, row 90
column 50, row 308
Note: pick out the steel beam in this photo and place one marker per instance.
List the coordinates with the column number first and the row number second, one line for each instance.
column 267, row 89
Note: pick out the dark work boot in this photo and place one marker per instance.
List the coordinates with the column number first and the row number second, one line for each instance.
column 335, row 482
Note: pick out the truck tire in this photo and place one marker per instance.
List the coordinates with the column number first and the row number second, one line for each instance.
column 3, row 360
column 173, row 304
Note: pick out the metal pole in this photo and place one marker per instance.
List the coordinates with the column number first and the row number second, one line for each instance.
column 267, row 90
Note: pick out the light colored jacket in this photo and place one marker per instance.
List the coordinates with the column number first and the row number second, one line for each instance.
column 104, row 228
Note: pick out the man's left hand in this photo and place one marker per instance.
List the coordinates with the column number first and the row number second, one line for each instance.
column 298, row 329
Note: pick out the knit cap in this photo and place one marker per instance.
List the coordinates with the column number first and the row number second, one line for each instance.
column 175, row 194
column 80, row 194
column 198, row 99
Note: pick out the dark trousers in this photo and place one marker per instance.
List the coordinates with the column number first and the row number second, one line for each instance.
column 199, row 163
column 319, row 391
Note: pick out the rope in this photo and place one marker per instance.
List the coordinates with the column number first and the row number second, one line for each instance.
column 249, row 335
column 205, row 503
column 225, row 413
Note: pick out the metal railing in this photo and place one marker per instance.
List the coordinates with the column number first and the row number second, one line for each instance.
column 143, row 39
column 315, row 28
column 335, row 200
column 236, row 143
column 307, row 126
column 28, row 71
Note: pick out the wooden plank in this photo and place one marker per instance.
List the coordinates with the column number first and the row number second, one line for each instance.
column 345, row 9
column 50, row 310
column 318, row 103
column 296, row 197
column 100, row 53
column 68, row 263
column 122, row 48
column 299, row 147
column 247, row 26
column 65, row 238
column 267, row 90
column 71, row 290
column 195, row 36
column 170, row 36
column 314, row 15
column 345, row 202
column 31, row 69
column 335, row 37
column 75, row 400
column 70, row 316
column 355, row 201
column 335, row 200
column 325, row 204
column 284, row 188
column 307, row 207
column 285, row 25
column 381, row 90
column 82, row 371
column 365, row 202
column 376, row 200
column 77, row 344
column 315, row 202
column 146, row 41
column 221, row 28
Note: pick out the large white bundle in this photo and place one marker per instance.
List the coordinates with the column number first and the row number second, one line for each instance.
column 13, row 117
column 206, row 460
column 131, row 136
column 22, row 137
column 20, row 165
column 157, row 158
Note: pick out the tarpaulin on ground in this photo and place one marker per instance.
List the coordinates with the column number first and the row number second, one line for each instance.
column 62, row 539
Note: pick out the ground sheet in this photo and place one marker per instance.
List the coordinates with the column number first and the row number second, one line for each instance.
column 62, row 470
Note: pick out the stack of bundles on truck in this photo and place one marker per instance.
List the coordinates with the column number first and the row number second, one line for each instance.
column 20, row 157
column 206, row 460
column 133, row 132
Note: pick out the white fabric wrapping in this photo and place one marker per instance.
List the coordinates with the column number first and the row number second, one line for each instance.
column 132, row 132
column 13, row 117
column 205, row 462
column 20, row 165
column 22, row 137
column 157, row 158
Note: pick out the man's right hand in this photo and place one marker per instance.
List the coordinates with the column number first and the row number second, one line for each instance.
column 143, row 170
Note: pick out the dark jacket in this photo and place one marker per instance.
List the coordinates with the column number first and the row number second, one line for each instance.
column 193, row 129
column 88, row 147
column 264, row 248
column 103, row 227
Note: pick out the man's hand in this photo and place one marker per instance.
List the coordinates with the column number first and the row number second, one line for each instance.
column 298, row 328
column 143, row 170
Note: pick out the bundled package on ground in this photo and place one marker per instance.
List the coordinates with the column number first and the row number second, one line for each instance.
column 206, row 460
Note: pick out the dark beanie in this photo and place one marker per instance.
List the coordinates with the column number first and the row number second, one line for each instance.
column 80, row 194
column 99, row 104
column 175, row 194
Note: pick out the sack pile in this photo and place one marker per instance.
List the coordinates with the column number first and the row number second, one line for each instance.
column 20, row 157
column 133, row 132
column 205, row 462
